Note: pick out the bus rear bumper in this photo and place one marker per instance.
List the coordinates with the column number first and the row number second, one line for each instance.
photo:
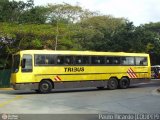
column 25, row 86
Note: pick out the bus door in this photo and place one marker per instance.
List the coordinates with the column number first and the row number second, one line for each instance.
column 27, row 68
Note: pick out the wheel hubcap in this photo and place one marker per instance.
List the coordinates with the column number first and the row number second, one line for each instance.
column 124, row 83
column 45, row 86
column 112, row 83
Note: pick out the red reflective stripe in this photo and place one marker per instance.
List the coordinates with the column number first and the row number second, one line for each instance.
column 55, row 79
column 133, row 72
column 58, row 77
column 130, row 74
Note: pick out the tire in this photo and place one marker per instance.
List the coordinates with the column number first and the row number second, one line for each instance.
column 45, row 86
column 124, row 83
column 112, row 84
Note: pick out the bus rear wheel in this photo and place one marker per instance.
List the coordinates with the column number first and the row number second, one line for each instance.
column 124, row 83
column 45, row 86
column 112, row 84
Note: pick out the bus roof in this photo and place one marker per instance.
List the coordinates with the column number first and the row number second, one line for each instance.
column 66, row 52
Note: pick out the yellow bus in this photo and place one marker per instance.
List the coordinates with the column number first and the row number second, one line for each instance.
column 44, row 70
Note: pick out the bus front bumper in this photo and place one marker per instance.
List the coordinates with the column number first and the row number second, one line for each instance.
column 25, row 86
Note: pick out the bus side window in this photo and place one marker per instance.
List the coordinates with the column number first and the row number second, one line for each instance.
column 142, row 61
column 39, row 59
column 116, row 60
column 86, row 60
column 93, row 60
column 145, row 61
column 60, row 60
column 101, row 60
column 109, row 60
column 97, row 59
column 127, row 60
column 68, row 60
column 50, row 59
column 46, row 61
column 78, row 59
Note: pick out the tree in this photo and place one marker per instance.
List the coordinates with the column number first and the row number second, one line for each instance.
column 123, row 37
column 97, row 32
column 61, row 15
column 154, row 27
column 10, row 11
column 36, row 15
column 67, row 13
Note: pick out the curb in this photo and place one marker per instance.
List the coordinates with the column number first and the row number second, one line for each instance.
column 6, row 88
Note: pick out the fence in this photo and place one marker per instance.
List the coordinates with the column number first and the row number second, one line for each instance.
column 5, row 78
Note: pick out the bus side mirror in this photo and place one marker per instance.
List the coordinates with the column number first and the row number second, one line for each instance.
column 23, row 63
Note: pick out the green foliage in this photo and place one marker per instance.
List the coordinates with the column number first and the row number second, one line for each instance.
column 36, row 15
column 154, row 27
column 10, row 11
column 97, row 32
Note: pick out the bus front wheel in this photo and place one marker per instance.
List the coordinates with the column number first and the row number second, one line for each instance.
column 45, row 86
column 112, row 84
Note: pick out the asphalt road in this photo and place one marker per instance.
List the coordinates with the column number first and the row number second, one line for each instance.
column 141, row 98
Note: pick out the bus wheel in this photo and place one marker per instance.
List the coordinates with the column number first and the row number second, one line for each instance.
column 124, row 83
column 45, row 86
column 112, row 83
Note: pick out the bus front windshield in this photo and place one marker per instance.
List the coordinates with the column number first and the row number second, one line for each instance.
column 15, row 63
